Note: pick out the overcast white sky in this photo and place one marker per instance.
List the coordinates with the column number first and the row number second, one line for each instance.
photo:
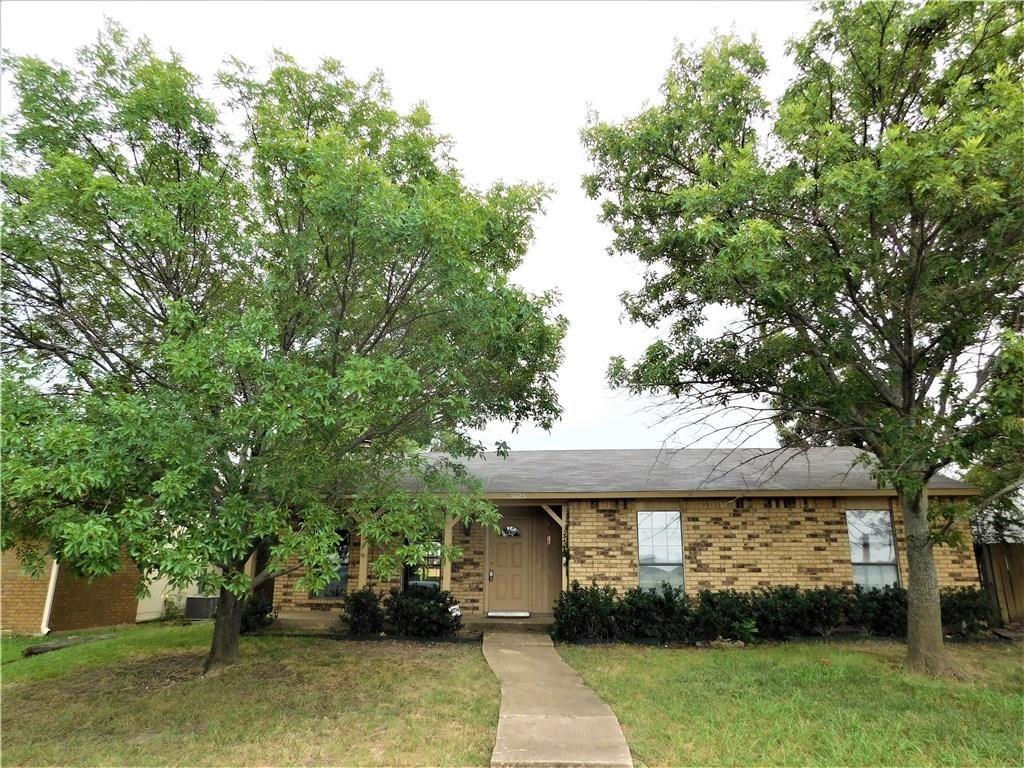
column 511, row 83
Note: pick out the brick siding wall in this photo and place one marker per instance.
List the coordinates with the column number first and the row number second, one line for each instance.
column 79, row 603
column 467, row 578
column 468, row 571
column 727, row 544
column 760, row 542
column 288, row 596
column 602, row 543
column 22, row 597
column 745, row 544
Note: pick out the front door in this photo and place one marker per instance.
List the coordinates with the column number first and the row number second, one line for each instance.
column 508, row 587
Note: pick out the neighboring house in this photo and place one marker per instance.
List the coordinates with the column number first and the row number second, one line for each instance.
column 161, row 593
column 700, row 519
column 59, row 600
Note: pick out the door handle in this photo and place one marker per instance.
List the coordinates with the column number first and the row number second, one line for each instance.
column 490, row 575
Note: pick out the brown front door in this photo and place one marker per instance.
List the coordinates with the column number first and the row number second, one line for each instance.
column 508, row 585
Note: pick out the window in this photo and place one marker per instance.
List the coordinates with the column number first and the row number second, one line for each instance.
column 661, row 548
column 338, row 585
column 872, row 547
column 427, row 573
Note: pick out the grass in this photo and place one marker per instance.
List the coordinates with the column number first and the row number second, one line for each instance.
column 838, row 703
column 139, row 699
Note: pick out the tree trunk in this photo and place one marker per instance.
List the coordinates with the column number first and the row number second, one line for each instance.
column 227, row 629
column 925, row 650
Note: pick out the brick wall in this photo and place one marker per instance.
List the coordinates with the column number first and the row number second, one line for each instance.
column 22, row 597
column 79, row 603
column 741, row 544
column 749, row 543
column 288, row 596
column 956, row 566
column 467, row 577
column 727, row 544
column 603, row 543
column 468, row 571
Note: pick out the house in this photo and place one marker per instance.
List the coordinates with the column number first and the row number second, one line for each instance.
column 700, row 519
column 161, row 593
column 59, row 600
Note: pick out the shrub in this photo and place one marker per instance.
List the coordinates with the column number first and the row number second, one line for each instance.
column 826, row 609
column 721, row 614
column 880, row 611
column 780, row 612
column 363, row 614
column 423, row 612
column 585, row 613
column 172, row 608
column 653, row 614
column 775, row 613
column 745, row 630
column 257, row 613
column 966, row 610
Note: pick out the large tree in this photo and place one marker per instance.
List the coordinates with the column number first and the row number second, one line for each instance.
column 227, row 333
column 863, row 234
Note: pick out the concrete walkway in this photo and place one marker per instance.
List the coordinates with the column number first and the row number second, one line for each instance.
column 548, row 716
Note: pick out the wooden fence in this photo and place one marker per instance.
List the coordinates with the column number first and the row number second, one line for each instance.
column 1002, row 569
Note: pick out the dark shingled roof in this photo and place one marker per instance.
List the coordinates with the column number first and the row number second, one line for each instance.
column 674, row 471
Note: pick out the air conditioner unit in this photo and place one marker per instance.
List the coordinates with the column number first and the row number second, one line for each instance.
column 200, row 607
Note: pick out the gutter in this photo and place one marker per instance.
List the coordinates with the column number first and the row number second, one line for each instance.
column 561, row 496
column 44, row 626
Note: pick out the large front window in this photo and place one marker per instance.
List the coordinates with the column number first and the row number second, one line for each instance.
column 872, row 547
column 661, row 548
column 427, row 573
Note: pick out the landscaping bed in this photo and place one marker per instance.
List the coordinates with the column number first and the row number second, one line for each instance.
column 669, row 616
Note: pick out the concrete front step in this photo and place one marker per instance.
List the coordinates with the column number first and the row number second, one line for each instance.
column 543, row 624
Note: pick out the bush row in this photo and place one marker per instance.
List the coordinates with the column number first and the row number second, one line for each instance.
column 774, row 613
column 416, row 612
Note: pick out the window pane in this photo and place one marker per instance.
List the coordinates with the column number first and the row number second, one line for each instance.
column 871, row 539
column 869, row 576
column 652, row 576
column 660, row 538
column 429, row 571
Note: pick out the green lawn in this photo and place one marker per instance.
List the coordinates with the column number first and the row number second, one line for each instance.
column 139, row 699
column 822, row 704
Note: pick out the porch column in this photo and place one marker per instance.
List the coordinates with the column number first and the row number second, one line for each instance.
column 561, row 519
column 446, row 564
column 364, row 561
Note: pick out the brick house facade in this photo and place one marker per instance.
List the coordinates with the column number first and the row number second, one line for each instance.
column 793, row 533
column 26, row 605
column 758, row 542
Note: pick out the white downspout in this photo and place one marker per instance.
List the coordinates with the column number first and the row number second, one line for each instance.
column 44, row 627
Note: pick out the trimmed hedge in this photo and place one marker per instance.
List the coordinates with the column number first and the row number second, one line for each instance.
column 776, row 613
column 363, row 613
column 416, row 612
column 422, row 612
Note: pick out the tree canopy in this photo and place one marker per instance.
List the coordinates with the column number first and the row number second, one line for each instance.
column 238, row 325
column 864, row 230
